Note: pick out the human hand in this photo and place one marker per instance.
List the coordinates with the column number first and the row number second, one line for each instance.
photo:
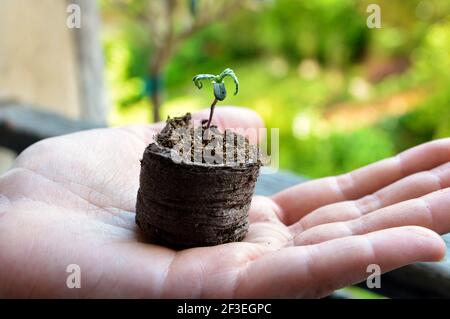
column 71, row 200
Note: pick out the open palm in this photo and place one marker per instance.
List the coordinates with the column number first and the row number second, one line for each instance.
column 71, row 200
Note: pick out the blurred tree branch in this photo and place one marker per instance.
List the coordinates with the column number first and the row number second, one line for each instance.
column 170, row 23
column 221, row 13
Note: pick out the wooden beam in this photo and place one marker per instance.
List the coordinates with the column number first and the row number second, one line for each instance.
column 89, row 56
column 22, row 126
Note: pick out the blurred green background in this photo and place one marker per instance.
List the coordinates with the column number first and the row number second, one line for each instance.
column 342, row 95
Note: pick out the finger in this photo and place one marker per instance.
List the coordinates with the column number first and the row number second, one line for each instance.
column 230, row 117
column 431, row 211
column 410, row 187
column 302, row 199
column 317, row 270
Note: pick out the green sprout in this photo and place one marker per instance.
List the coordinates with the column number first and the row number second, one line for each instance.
column 220, row 92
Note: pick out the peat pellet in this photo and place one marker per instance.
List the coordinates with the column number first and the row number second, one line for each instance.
column 188, row 204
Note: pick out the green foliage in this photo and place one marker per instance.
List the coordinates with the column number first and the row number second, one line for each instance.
column 360, row 148
column 337, row 153
column 297, row 61
column 126, row 54
column 431, row 118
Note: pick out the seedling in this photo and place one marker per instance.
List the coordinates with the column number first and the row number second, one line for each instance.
column 220, row 92
column 191, row 203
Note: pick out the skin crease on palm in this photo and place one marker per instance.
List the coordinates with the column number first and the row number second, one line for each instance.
column 71, row 200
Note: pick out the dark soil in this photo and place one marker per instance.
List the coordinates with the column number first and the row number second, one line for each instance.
column 201, row 142
column 201, row 195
